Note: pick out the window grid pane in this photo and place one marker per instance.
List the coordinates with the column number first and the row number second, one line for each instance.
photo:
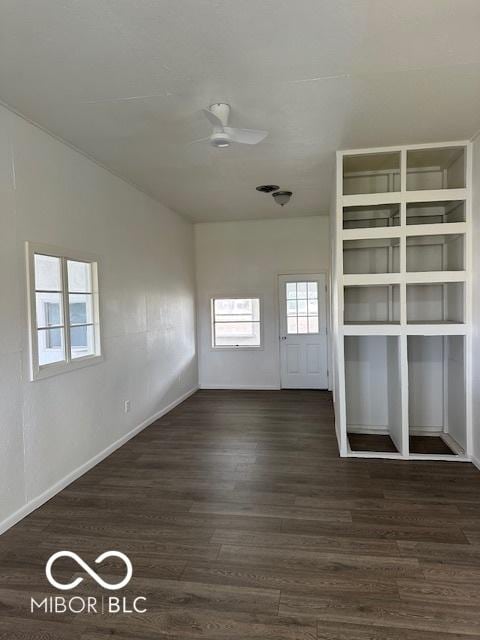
column 302, row 307
column 51, row 346
column 79, row 276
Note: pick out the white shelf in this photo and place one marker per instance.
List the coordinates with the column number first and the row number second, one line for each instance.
column 372, row 329
column 372, row 234
column 436, row 229
column 372, row 199
column 435, row 276
column 397, row 329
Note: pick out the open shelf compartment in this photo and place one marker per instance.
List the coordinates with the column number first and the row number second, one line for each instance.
column 436, row 303
column 436, row 168
column 437, row 395
column 371, row 217
column 436, row 253
column 377, row 255
column 373, row 304
column 443, row 212
column 373, row 393
column 371, row 173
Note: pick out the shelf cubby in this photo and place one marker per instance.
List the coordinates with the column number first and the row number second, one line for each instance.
column 371, row 217
column 436, row 303
column 373, row 393
column 437, row 394
column 436, row 168
column 376, row 255
column 376, row 304
column 436, row 253
column 371, row 173
column 443, row 212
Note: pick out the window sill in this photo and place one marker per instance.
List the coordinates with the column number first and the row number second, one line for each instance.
column 259, row 348
column 56, row 369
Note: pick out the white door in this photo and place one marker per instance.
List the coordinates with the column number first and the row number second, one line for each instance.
column 303, row 332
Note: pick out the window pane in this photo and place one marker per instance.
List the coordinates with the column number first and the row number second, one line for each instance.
column 302, row 307
column 241, row 334
column 48, row 309
column 82, row 341
column 291, row 290
column 79, row 276
column 301, row 290
column 51, row 346
column 313, row 290
column 302, row 325
column 313, row 307
column 81, row 311
column 292, row 325
column 291, row 307
column 313, row 324
column 47, row 273
column 233, row 309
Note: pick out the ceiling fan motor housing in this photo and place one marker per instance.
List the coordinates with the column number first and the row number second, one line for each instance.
column 220, row 139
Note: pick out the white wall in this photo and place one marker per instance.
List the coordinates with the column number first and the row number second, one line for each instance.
column 476, row 299
column 245, row 258
column 54, row 195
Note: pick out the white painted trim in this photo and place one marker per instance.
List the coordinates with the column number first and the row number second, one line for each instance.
column 402, row 278
column 427, row 145
column 37, row 502
column 240, row 387
column 476, row 462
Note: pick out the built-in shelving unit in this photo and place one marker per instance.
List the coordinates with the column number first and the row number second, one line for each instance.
column 401, row 301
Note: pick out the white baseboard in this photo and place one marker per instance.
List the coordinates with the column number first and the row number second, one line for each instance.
column 379, row 430
column 79, row 471
column 241, row 387
column 476, row 462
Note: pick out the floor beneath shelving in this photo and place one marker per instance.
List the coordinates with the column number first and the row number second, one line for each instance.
column 383, row 443
column 242, row 522
column 429, row 444
column 371, row 442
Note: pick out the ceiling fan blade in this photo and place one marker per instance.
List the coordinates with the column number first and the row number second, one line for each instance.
column 199, row 140
column 245, row 136
column 212, row 118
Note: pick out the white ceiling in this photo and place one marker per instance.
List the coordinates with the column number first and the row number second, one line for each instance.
column 319, row 75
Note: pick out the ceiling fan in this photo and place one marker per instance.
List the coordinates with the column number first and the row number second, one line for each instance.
column 223, row 135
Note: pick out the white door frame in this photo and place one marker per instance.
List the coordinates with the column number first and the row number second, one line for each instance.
column 296, row 274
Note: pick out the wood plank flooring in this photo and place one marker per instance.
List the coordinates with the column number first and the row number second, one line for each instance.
column 242, row 523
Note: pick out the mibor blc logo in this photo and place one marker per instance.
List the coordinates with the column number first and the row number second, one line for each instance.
column 89, row 604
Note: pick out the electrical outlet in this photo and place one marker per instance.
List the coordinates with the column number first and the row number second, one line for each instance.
column 126, row 406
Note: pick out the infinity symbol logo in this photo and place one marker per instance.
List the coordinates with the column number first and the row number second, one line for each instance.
column 91, row 572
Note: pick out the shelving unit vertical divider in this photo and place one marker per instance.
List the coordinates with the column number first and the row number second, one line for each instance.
column 467, row 300
column 405, row 450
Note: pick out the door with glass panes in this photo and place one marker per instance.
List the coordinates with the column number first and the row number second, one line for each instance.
column 303, row 332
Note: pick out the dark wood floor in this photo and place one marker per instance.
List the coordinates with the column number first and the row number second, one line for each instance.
column 243, row 524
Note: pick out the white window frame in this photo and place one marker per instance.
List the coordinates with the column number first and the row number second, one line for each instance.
column 37, row 371
column 239, row 347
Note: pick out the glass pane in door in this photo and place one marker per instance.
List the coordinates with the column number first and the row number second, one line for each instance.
column 302, row 307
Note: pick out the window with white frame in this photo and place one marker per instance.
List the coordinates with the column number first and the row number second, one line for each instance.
column 236, row 322
column 64, row 318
